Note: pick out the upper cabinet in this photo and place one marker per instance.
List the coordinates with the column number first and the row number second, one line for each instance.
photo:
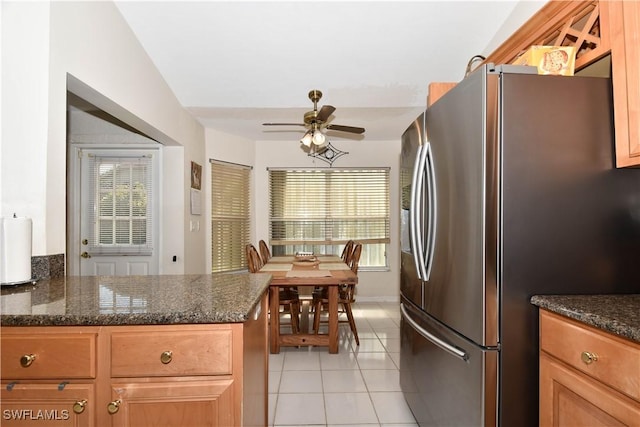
column 597, row 29
column 437, row 91
column 559, row 23
column 623, row 19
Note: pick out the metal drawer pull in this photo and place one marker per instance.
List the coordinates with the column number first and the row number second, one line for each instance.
column 114, row 406
column 79, row 406
column 166, row 357
column 27, row 360
column 588, row 357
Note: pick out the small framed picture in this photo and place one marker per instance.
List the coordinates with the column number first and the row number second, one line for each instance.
column 196, row 176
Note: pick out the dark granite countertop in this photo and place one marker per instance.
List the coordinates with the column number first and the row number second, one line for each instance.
column 616, row 314
column 133, row 300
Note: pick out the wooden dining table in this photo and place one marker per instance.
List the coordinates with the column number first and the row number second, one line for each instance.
column 288, row 271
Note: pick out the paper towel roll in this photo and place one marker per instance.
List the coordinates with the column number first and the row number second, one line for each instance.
column 15, row 250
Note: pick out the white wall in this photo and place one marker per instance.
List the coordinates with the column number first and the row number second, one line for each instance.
column 521, row 13
column 45, row 45
column 25, row 83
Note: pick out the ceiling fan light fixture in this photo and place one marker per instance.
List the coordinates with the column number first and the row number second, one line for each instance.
column 318, row 138
column 307, row 139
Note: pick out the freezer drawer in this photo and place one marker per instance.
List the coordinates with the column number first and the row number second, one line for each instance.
column 446, row 380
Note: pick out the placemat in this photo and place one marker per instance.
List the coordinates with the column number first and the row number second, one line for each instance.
column 308, row 273
column 329, row 258
column 276, row 267
column 333, row 266
column 283, row 258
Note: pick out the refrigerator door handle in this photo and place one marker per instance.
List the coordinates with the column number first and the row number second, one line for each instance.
column 432, row 212
column 449, row 348
column 416, row 215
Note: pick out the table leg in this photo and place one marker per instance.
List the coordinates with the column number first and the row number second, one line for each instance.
column 333, row 319
column 274, row 298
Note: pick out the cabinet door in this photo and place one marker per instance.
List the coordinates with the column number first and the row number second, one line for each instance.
column 569, row 398
column 205, row 403
column 624, row 32
column 64, row 405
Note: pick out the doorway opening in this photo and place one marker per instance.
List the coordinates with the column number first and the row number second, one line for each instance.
column 113, row 188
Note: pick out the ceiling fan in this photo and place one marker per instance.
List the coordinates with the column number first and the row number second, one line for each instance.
column 316, row 122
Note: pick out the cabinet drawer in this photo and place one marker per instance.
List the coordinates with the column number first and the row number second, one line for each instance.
column 47, row 405
column 616, row 361
column 54, row 356
column 176, row 353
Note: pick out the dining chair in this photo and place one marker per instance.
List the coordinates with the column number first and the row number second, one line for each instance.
column 264, row 250
column 254, row 262
column 347, row 251
column 346, row 297
column 289, row 299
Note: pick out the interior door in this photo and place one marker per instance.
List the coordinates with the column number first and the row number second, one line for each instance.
column 116, row 212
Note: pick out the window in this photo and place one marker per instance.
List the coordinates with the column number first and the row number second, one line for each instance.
column 121, row 215
column 319, row 210
column 230, row 209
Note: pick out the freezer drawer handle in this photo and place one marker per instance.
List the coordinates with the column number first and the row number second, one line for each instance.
column 437, row 341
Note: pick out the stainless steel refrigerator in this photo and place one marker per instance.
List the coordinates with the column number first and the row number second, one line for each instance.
column 508, row 189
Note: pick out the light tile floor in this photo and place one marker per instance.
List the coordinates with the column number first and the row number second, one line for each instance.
column 357, row 387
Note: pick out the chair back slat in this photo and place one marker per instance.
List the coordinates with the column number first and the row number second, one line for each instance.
column 347, row 251
column 355, row 258
column 254, row 262
column 264, row 251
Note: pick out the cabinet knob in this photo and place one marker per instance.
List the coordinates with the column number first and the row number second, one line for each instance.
column 79, row 406
column 113, row 407
column 27, row 360
column 588, row 357
column 166, row 357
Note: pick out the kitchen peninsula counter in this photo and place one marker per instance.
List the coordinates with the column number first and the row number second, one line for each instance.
column 133, row 300
column 137, row 350
column 615, row 314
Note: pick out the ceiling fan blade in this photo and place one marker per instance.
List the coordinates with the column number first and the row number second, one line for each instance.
column 350, row 129
column 325, row 112
column 283, row 124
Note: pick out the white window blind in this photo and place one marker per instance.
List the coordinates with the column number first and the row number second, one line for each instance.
column 121, row 206
column 230, row 211
column 319, row 210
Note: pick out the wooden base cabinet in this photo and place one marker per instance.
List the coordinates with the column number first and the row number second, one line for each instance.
column 587, row 377
column 188, row 403
column 46, row 404
column 48, row 376
column 136, row 376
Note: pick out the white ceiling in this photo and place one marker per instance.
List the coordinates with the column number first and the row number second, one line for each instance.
column 237, row 64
